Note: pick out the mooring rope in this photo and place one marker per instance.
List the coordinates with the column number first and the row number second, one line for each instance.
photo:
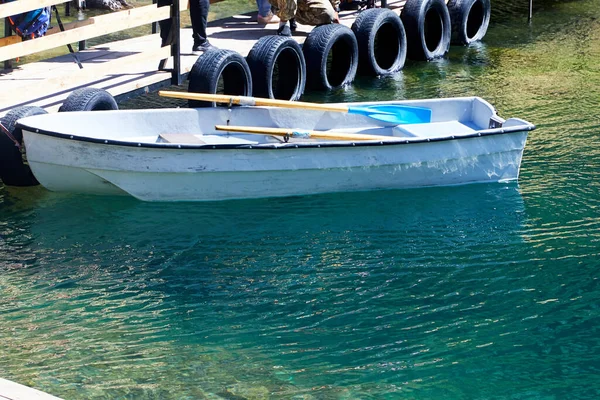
column 10, row 136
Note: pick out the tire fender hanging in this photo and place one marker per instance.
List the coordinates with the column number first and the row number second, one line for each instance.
column 14, row 171
column 219, row 70
column 89, row 99
column 278, row 68
column 428, row 31
column 470, row 20
column 381, row 42
column 331, row 54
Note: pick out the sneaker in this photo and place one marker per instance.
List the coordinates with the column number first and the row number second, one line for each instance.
column 269, row 19
column 293, row 25
column 284, row 31
column 201, row 48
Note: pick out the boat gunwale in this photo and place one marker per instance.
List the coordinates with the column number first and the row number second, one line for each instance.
column 289, row 145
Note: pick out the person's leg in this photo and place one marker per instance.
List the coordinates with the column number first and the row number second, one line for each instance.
column 315, row 12
column 165, row 24
column 199, row 17
column 265, row 13
column 286, row 10
column 263, row 7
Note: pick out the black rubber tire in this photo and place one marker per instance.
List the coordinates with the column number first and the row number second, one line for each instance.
column 470, row 20
column 219, row 71
column 428, row 30
column 331, row 54
column 278, row 68
column 13, row 171
column 89, row 99
column 381, row 42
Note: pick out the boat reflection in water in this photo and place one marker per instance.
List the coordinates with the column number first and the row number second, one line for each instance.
column 399, row 222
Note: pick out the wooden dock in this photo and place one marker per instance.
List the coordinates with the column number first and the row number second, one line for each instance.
column 129, row 67
column 15, row 391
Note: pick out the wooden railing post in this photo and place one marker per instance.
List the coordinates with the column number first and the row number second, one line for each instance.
column 80, row 6
column 7, row 32
column 175, row 44
column 155, row 23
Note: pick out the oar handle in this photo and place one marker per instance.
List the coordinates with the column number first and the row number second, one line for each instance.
column 301, row 133
column 252, row 101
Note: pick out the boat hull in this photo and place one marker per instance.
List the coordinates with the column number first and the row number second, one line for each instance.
column 205, row 174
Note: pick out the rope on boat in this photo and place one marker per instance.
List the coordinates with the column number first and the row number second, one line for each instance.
column 10, row 136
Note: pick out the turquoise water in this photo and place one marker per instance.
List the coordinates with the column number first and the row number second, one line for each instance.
column 474, row 292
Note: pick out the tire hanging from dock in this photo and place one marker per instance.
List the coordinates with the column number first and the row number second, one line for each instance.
column 219, row 71
column 278, row 68
column 381, row 42
column 428, row 30
column 14, row 171
column 470, row 20
column 89, row 99
column 331, row 54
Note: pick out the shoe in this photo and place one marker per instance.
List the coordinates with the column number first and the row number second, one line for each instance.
column 350, row 5
column 284, row 31
column 293, row 25
column 269, row 19
column 201, row 48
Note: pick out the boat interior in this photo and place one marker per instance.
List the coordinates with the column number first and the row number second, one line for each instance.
column 196, row 127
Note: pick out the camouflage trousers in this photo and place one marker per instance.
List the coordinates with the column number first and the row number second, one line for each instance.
column 306, row 12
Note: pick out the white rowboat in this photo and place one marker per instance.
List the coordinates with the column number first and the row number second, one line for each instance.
column 179, row 155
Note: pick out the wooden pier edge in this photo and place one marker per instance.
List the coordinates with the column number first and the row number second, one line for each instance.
column 15, row 391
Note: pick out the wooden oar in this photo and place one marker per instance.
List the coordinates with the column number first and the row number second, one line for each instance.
column 306, row 134
column 392, row 113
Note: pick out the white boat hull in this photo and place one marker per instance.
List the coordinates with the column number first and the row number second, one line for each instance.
column 204, row 173
column 195, row 175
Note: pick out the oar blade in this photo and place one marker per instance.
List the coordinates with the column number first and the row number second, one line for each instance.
column 394, row 113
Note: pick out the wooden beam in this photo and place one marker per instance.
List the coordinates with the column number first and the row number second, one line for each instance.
column 69, row 26
column 6, row 41
column 149, row 14
column 101, row 25
column 23, row 6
